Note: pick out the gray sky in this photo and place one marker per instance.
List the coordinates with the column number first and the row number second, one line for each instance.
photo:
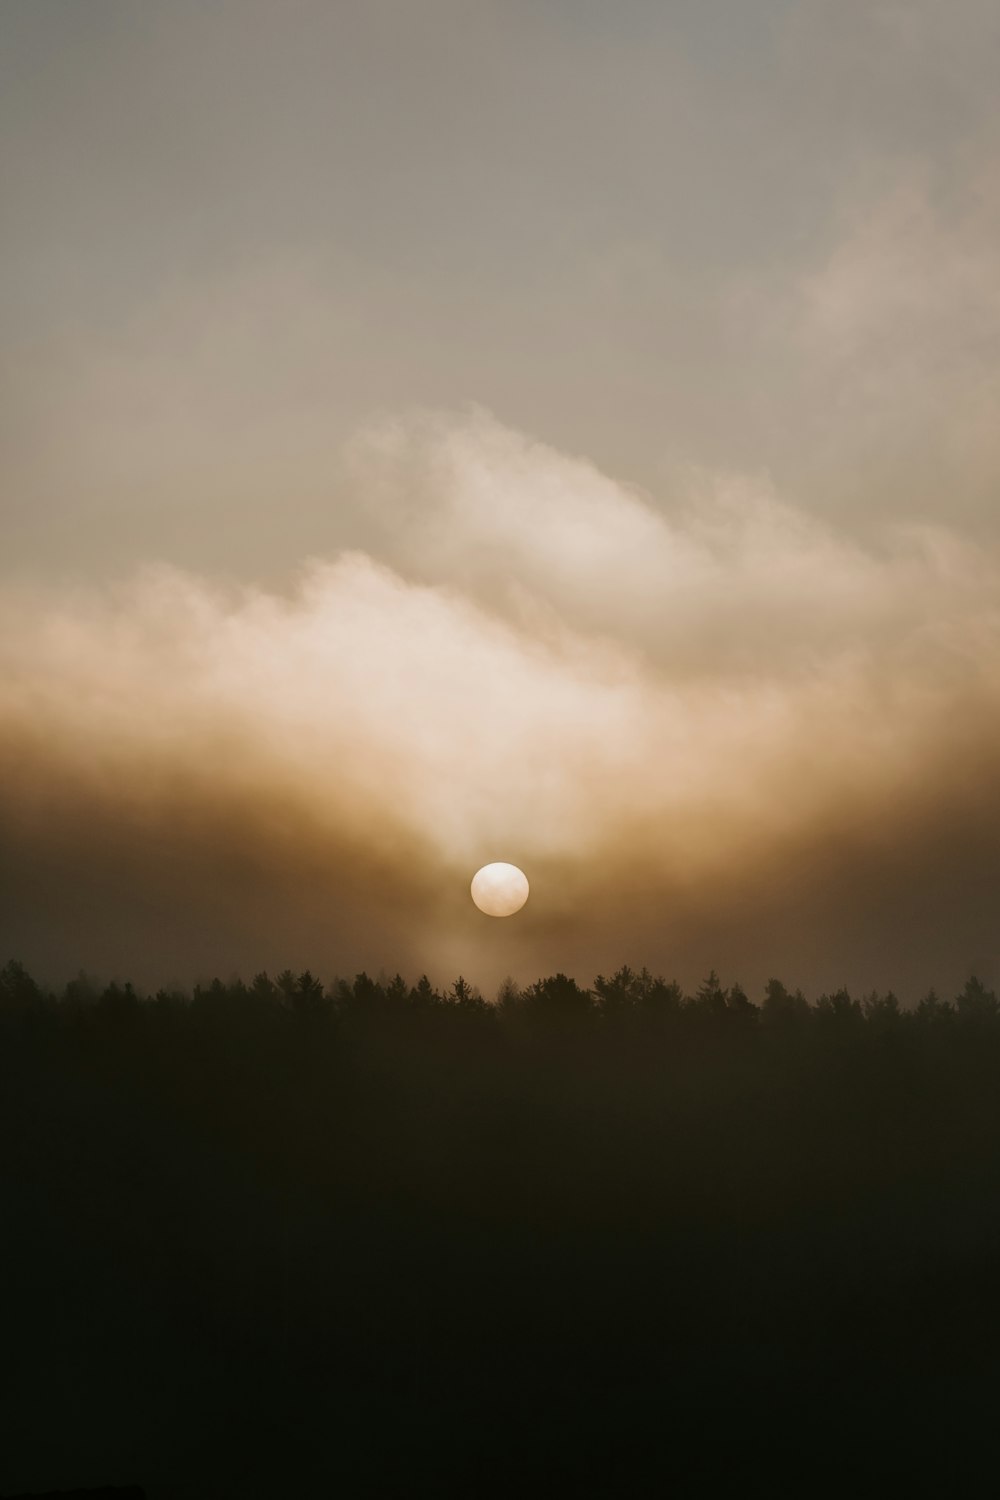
column 754, row 237
column 436, row 432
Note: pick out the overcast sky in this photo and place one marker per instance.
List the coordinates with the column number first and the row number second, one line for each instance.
column 561, row 432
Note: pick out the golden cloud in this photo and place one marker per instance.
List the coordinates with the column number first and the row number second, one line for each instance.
column 643, row 706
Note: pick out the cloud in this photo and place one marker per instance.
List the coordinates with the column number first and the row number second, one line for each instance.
column 651, row 709
column 878, row 356
column 724, row 576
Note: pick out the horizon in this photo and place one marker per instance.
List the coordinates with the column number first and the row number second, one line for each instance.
column 88, row 988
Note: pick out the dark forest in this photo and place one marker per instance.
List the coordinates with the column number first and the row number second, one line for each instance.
column 279, row 1238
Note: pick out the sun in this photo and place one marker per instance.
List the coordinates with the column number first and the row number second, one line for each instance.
column 499, row 889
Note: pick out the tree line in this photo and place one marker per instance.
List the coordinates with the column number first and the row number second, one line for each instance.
column 375, row 1237
column 627, row 992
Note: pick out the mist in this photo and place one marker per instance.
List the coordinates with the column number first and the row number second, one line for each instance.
column 713, row 729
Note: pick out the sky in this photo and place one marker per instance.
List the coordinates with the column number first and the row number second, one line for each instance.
column 560, row 433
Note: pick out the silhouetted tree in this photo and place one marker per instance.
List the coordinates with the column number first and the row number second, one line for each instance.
column 465, row 996
column 261, row 986
column 976, row 1003
column 711, row 997
column 18, row 991
column 508, row 996
column 630, row 993
column 286, row 986
column 933, row 1011
column 397, row 993
column 659, row 999
column 173, row 1003
column 782, row 1007
column 211, row 997
column 309, row 999
column 424, row 996
column 839, row 1009
column 557, row 996
column 119, row 1003
column 363, row 1000
column 81, row 992
column 740, row 1006
column 621, row 992
column 881, row 1012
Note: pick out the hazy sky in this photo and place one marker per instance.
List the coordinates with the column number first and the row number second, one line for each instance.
column 557, row 432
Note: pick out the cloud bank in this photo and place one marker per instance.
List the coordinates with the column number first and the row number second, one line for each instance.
column 713, row 730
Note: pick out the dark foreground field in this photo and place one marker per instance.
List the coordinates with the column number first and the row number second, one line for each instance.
column 274, row 1242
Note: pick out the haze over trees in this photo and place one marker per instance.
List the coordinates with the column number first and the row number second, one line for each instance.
column 382, row 1238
